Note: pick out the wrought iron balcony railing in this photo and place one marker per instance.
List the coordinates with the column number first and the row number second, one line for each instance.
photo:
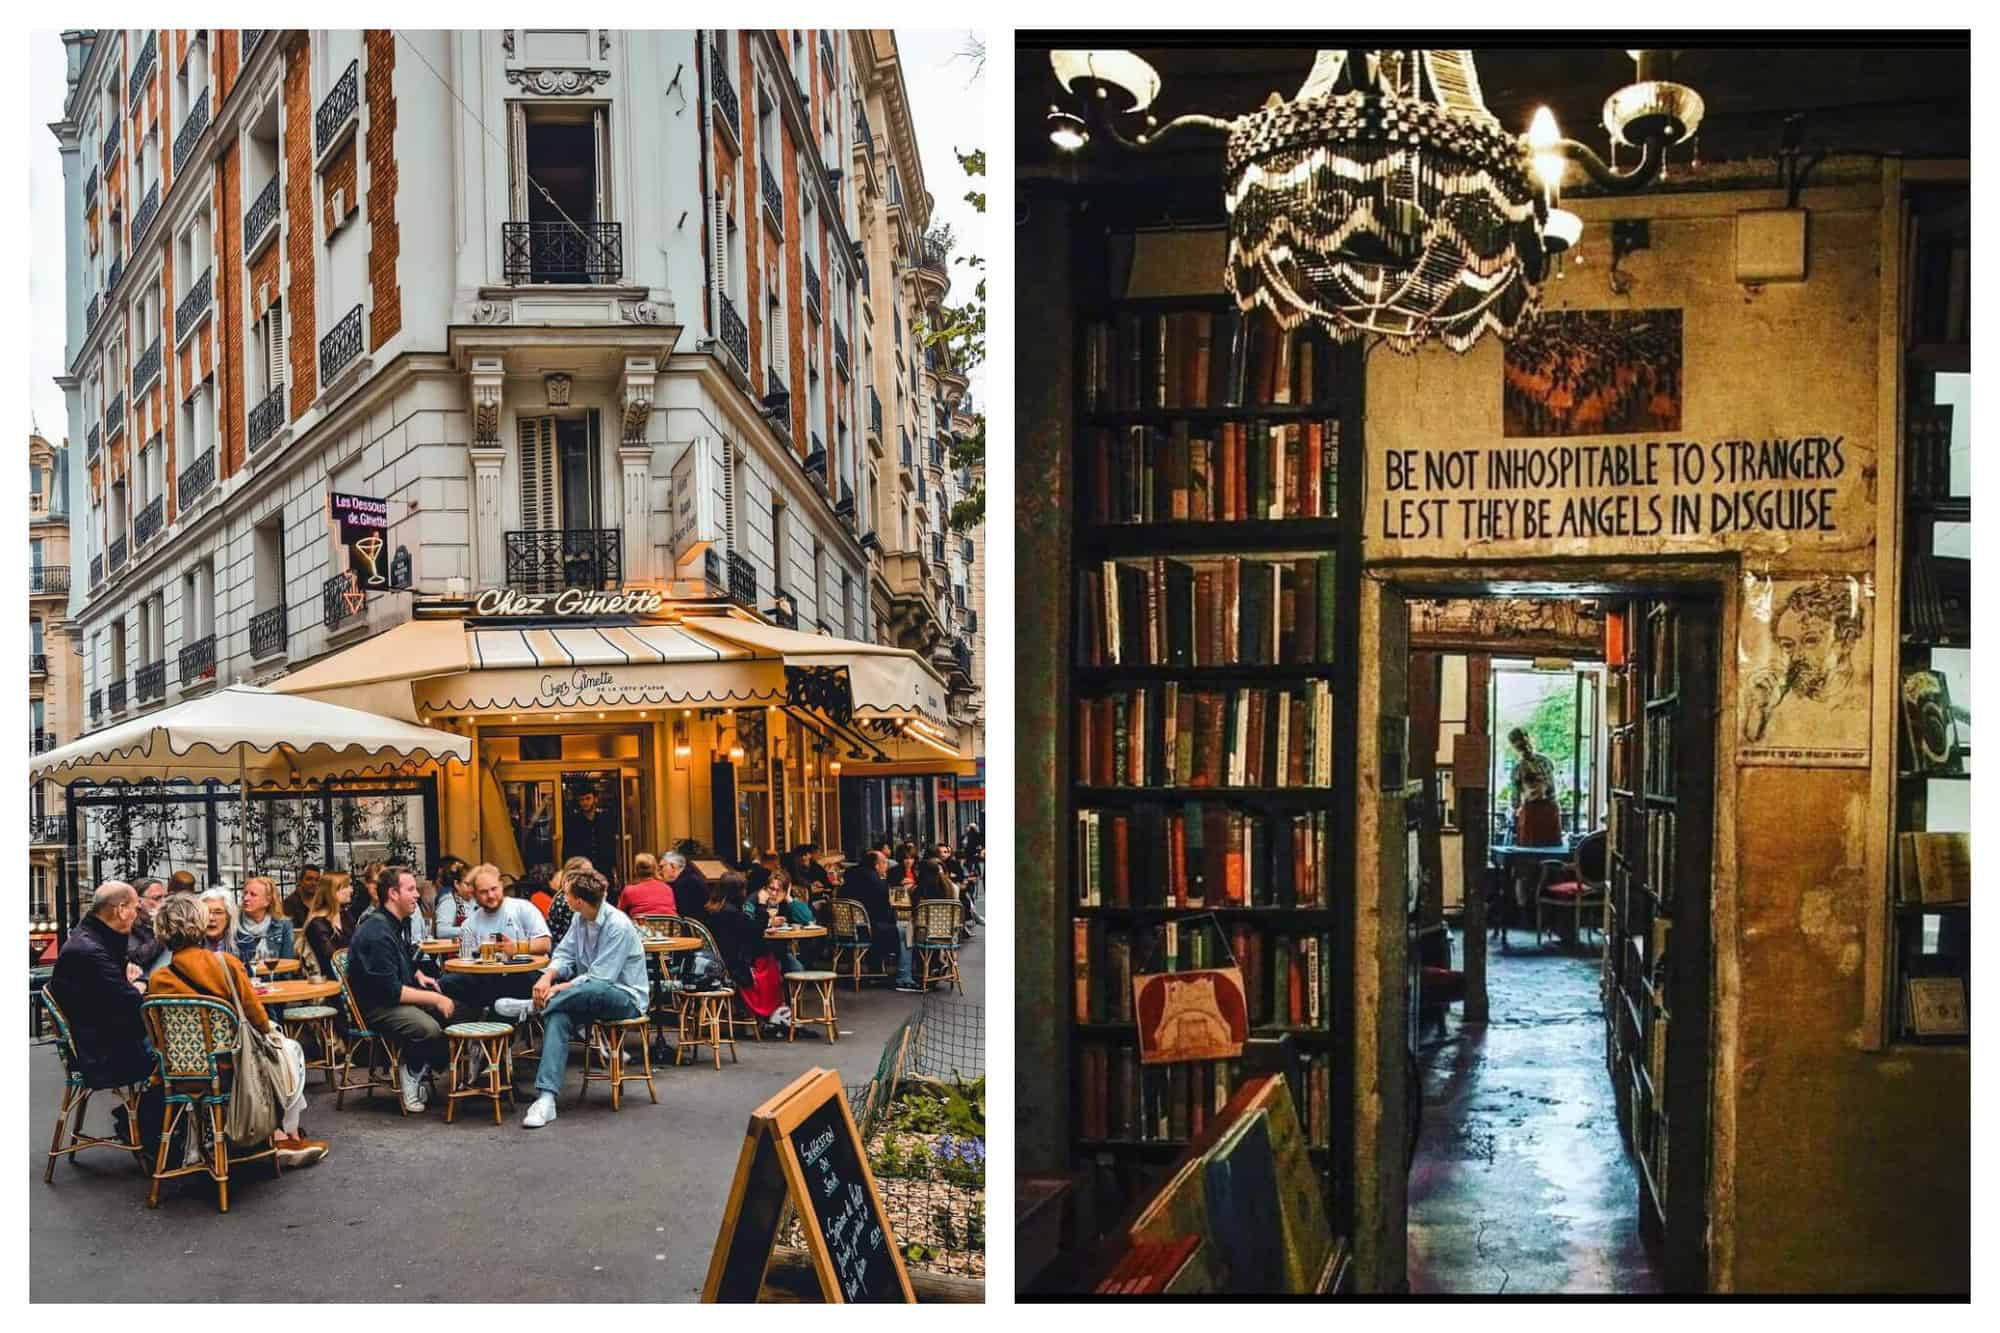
column 191, row 129
column 48, row 580
column 840, row 349
column 862, row 133
column 111, row 277
column 151, row 682
column 47, row 829
column 338, row 107
column 147, row 368
column 247, row 42
column 114, row 418
column 90, row 189
column 937, row 548
column 38, row 664
column 874, row 413
column 267, row 632
column 97, row 569
column 196, row 478
column 143, row 65
column 267, row 417
column 723, row 94
column 335, row 606
column 845, row 507
column 111, row 143
column 114, row 697
column 550, row 560
column 961, row 653
column 38, row 741
column 262, row 218
column 116, row 559
column 935, row 251
column 774, row 198
column 92, row 440
column 734, row 335
column 149, row 208
column 200, row 299
column 339, row 348
column 742, row 581
column 90, row 314
column 815, row 463
column 812, row 286
column 147, row 525
column 198, row 660
column 563, row 251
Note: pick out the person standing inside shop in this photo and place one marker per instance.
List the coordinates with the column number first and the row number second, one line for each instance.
column 1537, row 817
column 593, row 834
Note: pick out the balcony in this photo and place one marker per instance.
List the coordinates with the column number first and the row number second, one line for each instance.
column 90, row 189
column 815, row 463
column 111, row 143
column 247, row 41
column 742, row 582
column 147, row 525
column 339, row 348
column 338, row 109
column 863, row 135
column 112, row 275
column 903, row 438
column 335, row 607
column 90, row 314
column 147, row 369
column 874, row 414
column 96, row 570
column 722, row 92
column 840, row 351
column 116, row 561
column 93, row 440
column 149, row 208
column 551, row 560
column 267, row 417
column 563, row 252
column 194, row 307
column 191, row 130
column 48, row 830
column 267, row 633
column 260, row 223
column 151, row 682
column 38, row 664
column 198, row 661
column 114, row 696
column 937, row 550
column 142, row 66
column 774, row 198
column 48, row 580
column 812, row 287
column 845, row 507
column 114, row 418
column 734, row 335
column 196, row 478
column 932, row 270
column 38, row 741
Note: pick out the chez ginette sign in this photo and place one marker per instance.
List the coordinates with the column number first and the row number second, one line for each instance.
column 568, row 602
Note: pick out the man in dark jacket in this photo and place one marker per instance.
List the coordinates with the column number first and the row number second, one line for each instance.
column 397, row 1000
column 865, row 886
column 593, row 833
column 97, row 987
column 142, row 950
column 689, row 884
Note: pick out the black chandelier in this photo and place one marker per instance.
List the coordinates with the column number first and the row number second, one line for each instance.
column 1384, row 199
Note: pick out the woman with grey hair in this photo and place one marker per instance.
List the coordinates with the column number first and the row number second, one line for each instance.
column 219, row 931
column 185, row 925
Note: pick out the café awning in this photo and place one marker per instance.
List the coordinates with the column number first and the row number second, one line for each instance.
column 425, row 667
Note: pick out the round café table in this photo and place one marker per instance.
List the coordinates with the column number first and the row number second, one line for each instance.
column 504, row 968
column 439, row 948
column 792, row 935
column 672, row 944
column 296, row 992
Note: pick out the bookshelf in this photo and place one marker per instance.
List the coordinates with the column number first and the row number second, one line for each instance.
column 1215, row 570
column 1656, row 964
column 1930, row 880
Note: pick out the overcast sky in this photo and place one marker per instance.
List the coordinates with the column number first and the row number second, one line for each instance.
column 949, row 106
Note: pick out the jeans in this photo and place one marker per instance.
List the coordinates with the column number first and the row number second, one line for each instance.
column 889, row 943
column 568, row 1010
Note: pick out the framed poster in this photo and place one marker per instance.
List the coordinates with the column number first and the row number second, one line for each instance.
column 1593, row 372
column 1804, row 664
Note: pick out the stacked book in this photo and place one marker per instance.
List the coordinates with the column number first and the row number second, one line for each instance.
column 1928, row 455
column 1200, row 359
column 1202, row 854
column 1172, row 735
column 1119, row 1098
column 1224, row 611
column 1219, row 472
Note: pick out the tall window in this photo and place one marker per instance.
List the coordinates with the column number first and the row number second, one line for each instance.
column 781, row 544
column 561, row 473
column 268, row 562
column 561, row 182
column 819, row 581
column 268, row 352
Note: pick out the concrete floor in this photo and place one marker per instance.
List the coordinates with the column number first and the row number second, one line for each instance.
column 595, row 1207
column 1521, row 1184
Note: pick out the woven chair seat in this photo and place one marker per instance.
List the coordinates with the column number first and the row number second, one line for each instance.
column 637, row 1020
column 305, row 1012
column 710, row 994
column 479, row 1029
column 812, row 976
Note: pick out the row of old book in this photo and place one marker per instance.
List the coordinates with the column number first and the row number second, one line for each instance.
column 1662, row 830
column 1663, row 668
column 1121, row 1099
column 1287, row 979
column 1927, row 459
column 1937, row 599
column 1228, row 610
column 1934, row 868
column 1137, row 362
column 1203, row 854
column 1220, row 473
column 1171, row 735
column 1660, row 753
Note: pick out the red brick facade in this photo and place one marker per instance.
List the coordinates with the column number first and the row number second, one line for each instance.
column 302, row 244
column 384, row 243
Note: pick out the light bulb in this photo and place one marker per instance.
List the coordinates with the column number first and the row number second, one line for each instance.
column 1543, row 136
column 1067, row 132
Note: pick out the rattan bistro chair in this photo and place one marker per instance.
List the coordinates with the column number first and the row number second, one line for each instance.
column 934, row 937
column 361, row 1038
column 191, row 1037
column 76, row 1101
column 605, row 1059
column 853, row 941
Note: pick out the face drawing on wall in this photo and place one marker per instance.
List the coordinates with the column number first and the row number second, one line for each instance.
column 1811, row 670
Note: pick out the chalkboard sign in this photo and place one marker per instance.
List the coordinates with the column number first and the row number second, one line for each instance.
column 802, row 1145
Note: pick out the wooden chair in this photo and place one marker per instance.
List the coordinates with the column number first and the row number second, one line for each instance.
column 77, row 1093
column 674, row 1002
column 819, row 985
column 605, row 1060
column 1576, row 886
column 704, row 1022
column 853, row 940
column 491, row 1039
column 191, row 1037
column 934, row 937
column 359, row 1037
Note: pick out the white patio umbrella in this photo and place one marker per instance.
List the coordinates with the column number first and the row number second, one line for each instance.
column 248, row 735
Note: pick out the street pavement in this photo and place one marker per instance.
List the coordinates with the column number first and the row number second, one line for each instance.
column 595, row 1207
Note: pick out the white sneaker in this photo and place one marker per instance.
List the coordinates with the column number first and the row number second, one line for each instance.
column 415, row 1095
column 782, row 1016
column 543, row 1111
column 512, row 1008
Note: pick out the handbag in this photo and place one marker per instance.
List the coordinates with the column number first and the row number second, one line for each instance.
column 1189, row 1013
column 264, row 1077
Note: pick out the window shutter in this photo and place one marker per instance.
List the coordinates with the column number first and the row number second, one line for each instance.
column 538, row 473
column 274, row 340
column 601, row 139
column 719, row 243
column 517, row 175
column 728, row 464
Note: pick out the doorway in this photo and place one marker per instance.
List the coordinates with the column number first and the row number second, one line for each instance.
column 561, row 795
column 1558, row 1081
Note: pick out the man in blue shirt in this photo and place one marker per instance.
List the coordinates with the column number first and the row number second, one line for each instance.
column 598, row 974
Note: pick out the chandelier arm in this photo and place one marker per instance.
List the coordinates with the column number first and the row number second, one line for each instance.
column 1152, row 137
column 1651, row 159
